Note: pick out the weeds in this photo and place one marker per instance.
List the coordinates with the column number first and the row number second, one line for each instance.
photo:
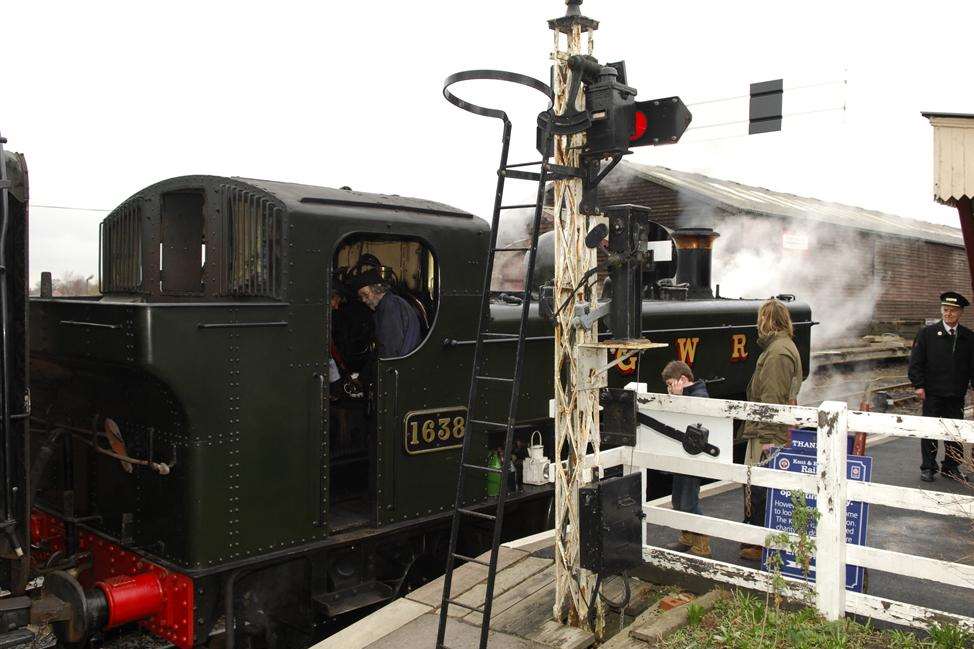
column 745, row 621
column 804, row 519
column 948, row 636
column 695, row 613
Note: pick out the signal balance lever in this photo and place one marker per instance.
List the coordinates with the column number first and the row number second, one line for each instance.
column 694, row 439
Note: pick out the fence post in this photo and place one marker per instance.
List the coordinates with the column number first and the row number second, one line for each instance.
column 833, row 428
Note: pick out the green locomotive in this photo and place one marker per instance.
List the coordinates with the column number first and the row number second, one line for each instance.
column 187, row 439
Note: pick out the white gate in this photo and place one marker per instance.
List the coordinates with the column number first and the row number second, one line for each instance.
column 834, row 421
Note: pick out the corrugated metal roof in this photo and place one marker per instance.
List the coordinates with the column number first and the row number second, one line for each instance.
column 747, row 198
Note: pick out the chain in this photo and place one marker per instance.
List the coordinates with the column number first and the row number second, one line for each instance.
column 763, row 461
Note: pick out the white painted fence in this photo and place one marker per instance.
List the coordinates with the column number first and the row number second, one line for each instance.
column 834, row 421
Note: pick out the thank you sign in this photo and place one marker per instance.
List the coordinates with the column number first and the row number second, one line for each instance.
column 778, row 511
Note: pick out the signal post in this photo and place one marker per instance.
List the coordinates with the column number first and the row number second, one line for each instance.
column 576, row 413
column 592, row 122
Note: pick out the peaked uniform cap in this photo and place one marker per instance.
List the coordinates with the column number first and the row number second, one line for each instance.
column 952, row 298
column 366, row 278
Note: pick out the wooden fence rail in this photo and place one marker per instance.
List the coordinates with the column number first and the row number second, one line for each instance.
column 832, row 490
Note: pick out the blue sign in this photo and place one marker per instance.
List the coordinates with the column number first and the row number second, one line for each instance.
column 803, row 440
column 778, row 512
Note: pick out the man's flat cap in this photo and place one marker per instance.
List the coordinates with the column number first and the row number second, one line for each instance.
column 952, row 298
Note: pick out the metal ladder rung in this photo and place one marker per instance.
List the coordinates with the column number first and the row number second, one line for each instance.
column 480, row 467
column 470, row 512
column 521, row 175
column 462, row 605
column 489, row 424
column 471, row 559
column 480, row 373
column 499, row 379
column 563, row 171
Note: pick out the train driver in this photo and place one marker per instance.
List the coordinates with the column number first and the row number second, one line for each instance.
column 397, row 327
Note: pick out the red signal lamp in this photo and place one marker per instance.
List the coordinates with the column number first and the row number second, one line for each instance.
column 659, row 121
column 640, row 124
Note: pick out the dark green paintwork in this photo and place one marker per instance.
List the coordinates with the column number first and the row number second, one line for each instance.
column 243, row 407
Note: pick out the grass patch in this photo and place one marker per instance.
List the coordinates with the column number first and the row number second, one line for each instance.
column 748, row 622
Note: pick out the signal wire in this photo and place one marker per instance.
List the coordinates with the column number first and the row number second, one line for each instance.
column 805, row 87
column 746, row 121
column 68, row 207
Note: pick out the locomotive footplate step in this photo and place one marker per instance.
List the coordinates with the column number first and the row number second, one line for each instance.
column 350, row 599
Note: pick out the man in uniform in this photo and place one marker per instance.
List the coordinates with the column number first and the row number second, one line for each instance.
column 397, row 328
column 941, row 370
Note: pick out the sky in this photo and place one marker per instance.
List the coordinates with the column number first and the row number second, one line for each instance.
column 105, row 98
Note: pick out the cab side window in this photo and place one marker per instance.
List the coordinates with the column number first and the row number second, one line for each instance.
column 397, row 281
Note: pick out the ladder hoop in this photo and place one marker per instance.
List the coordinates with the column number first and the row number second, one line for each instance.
column 492, row 75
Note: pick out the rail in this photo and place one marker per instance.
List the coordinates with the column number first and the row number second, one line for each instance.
column 833, row 491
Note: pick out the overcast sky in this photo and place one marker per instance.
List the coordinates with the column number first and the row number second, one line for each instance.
column 106, row 98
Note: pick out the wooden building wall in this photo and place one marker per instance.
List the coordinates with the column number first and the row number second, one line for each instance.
column 914, row 273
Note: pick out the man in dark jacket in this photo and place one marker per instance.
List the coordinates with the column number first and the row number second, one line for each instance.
column 941, row 370
column 397, row 328
column 686, row 488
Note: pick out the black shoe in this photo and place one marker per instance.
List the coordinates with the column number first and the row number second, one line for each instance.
column 953, row 474
column 926, row 475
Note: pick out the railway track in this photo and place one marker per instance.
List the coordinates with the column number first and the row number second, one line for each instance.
column 855, row 373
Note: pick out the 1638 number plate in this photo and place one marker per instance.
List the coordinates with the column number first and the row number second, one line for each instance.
column 436, row 429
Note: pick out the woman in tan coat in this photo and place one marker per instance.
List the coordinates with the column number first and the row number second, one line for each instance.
column 777, row 379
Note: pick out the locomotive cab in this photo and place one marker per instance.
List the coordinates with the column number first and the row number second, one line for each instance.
column 408, row 267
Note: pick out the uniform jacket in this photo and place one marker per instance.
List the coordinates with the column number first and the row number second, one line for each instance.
column 777, row 379
column 397, row 330
column 939, row 364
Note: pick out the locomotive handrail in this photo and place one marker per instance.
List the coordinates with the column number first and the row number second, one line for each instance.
column 240, row 325
column 97, row 325
column 8, row 493
column 453, row 342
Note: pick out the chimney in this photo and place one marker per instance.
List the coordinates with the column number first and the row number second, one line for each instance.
column 693, row 255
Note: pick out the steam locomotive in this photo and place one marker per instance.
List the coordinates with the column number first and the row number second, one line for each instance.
column 185, row 466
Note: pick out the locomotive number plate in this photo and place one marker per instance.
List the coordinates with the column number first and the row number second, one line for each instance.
column 436, row 429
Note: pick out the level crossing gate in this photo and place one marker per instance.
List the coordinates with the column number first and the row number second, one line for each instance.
column 834, row 421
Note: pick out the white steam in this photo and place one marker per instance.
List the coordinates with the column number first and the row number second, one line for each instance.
column 761, row 257
column 513, row 231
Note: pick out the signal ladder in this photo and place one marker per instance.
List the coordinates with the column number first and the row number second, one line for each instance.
column 478, row 424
